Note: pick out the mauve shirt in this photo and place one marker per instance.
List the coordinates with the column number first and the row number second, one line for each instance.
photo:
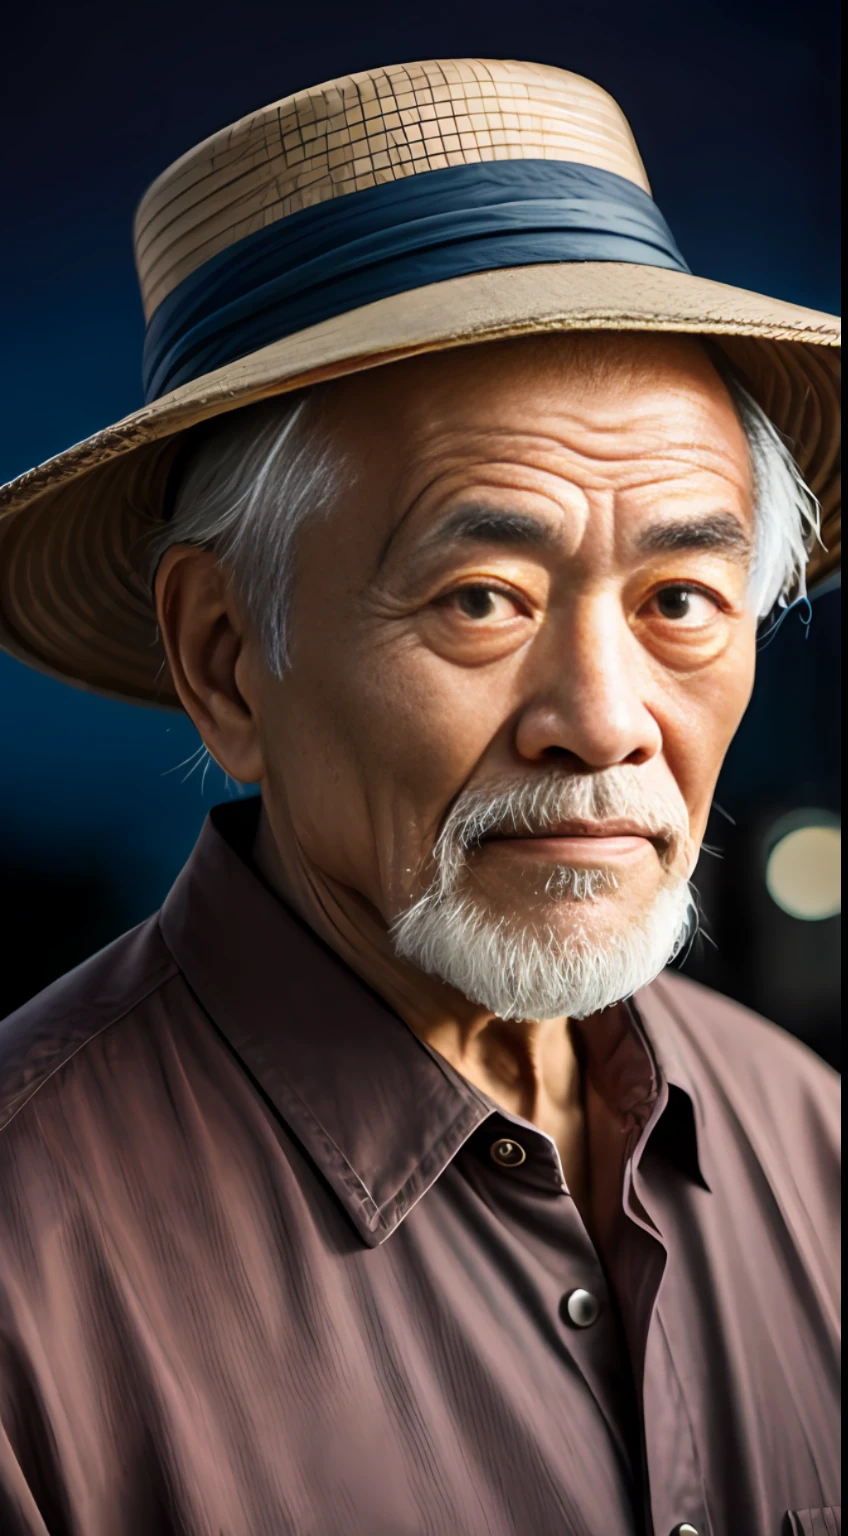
column 269, row 1265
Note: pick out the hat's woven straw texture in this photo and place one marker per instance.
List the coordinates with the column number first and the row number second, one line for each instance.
column 360, row 132
column 75, row 533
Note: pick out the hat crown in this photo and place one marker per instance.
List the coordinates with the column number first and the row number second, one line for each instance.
column 362, row 131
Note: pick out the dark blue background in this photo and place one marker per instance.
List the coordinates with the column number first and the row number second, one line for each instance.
column 734, row 106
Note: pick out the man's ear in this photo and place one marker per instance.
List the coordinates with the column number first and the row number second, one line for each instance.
column 213, row 657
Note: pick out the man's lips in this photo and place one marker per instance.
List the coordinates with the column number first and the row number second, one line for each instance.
column 579, row 842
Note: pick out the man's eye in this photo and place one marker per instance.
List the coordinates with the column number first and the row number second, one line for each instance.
column 685, row 605
column 479, row 602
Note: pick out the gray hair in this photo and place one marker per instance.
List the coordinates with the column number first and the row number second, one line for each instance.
column 253, row 476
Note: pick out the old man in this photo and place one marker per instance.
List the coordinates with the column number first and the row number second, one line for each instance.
column 383, row 1182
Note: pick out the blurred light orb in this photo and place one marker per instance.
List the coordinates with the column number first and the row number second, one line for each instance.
column 804, row 872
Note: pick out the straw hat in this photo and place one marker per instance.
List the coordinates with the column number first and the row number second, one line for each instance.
column 398, row 211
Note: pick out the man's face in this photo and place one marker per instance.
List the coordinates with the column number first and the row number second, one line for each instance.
column 536, row 575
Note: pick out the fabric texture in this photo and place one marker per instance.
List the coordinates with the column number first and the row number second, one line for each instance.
column 814, row 1522
column 337, row 255
column 261, row 1275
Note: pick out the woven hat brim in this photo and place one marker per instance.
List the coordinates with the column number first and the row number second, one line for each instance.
column 75, row 532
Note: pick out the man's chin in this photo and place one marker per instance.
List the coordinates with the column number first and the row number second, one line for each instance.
column 572, row 927
column 572, row 956
column 571, row 900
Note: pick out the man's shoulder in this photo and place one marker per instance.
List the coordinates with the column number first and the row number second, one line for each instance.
column 747, row 1056
column 39, row 1038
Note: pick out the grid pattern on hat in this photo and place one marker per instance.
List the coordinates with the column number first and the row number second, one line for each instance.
column 359, row 132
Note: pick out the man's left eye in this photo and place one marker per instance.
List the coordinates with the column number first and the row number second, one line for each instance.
column 685, row 605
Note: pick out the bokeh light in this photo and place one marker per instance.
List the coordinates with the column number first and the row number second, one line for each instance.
column 804, row 868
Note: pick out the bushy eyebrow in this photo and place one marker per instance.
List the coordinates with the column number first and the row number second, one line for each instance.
column 477, row 523
column 719, row 530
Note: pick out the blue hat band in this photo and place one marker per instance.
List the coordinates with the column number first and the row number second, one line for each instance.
column 352, row 250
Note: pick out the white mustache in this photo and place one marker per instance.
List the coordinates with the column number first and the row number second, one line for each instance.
column 535, row 806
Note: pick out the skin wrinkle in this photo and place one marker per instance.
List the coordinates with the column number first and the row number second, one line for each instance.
column 601, row 505
column 395, row 704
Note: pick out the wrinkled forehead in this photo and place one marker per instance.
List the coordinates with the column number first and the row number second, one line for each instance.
column 583, row 406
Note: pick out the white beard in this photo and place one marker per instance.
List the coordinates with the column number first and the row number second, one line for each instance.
column 528, row 971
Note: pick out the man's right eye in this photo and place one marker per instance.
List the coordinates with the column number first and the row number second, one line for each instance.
column 479, row 602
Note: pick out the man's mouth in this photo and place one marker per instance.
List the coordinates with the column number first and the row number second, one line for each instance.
column 579, row 842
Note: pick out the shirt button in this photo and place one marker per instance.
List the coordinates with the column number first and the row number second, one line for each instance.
column 685, row 1530
column 508, row 1154
column 583, row 1309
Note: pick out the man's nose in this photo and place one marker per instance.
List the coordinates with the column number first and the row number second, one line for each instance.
column 591, row 691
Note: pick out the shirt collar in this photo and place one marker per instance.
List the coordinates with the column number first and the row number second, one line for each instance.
column 680, row 1134
column 378, row 1111
column 379, row 1114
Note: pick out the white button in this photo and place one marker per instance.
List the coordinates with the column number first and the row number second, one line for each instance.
column 583, row 1308
column 508, row 1154
column 685, row 1530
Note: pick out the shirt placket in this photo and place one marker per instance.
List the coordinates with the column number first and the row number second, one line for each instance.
column 672, row 1480
column 532, row 1198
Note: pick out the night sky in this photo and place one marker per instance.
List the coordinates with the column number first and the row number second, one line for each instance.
column 734, row 107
